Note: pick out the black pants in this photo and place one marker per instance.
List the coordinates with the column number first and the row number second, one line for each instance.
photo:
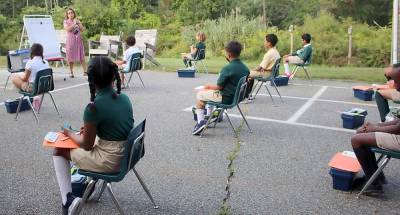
column 367, row 160
column 383, row 105
column 249, row 87
column 187, row 62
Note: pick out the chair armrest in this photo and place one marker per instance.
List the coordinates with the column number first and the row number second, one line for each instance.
column 93, row 43
column 150, row 46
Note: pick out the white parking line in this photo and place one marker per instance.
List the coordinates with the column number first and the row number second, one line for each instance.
column 317, row 85
column 189, row 109
column 307, row 105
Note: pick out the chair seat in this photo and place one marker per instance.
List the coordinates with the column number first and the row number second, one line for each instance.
column 111, row 177
column 263, row 79
column 220, row 105
column 30, row 94
column 98, row 51
column 390, row 153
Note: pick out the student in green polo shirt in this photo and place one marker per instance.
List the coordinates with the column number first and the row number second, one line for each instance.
column 300, row 56
column 194, row 50
column 109, row 117
column 225, row 88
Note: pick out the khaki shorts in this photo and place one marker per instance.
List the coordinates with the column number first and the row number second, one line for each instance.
column 105, row 157
column 27, row 87
column 209, row 96
column 395, row 95
column 295, row 60
column 254, row 74
column 388, row 141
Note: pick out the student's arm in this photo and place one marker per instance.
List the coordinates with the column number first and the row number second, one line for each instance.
column 193, row 50
column 86, row 140
column 259, row 69
column 391, row 129
column 68, row 28
column 81, row 28
column 27, row 75
column 212, row 87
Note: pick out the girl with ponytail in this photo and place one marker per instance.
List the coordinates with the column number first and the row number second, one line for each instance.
column 109, row 117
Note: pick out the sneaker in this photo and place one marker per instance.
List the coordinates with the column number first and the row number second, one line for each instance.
column 288, row 74
column 199, row 127
column 213, row 118
column 248, row 100
column 96, row 191
column 72, row 204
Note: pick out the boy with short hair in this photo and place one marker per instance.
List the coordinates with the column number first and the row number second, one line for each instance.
column 300, row 56
column 225, row 88
column 125, row 63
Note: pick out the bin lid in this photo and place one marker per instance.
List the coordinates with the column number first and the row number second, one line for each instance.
column 345, row 161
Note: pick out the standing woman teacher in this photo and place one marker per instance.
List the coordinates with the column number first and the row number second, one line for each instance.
column 74, row 44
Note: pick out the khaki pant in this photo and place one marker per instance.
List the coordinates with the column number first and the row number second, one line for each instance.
column 209, row 96
column 105, row 157
column 295, row 60
column 263, row 74
column 388, row 141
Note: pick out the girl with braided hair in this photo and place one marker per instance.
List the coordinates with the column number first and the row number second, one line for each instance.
column 26, row 81
column 107, row 121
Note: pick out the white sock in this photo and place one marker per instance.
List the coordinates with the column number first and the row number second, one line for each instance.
column 62, row 167
column 209, row 110
column 200, row 114
column 287, row 69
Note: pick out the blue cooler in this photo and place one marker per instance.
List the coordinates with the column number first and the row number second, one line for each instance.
column 353, row 118
column 12, row 105
column 365, row 95
column 342, row 180
column 281, row 81
column 186, row 73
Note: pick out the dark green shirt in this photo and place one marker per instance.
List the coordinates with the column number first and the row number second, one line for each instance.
column 229, row 78
column 304, row 53
column 113, row 117
column 200, row 46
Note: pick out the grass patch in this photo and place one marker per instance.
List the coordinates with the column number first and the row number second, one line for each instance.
column 214, row 65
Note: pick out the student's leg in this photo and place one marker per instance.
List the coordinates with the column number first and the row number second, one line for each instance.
column 361, row 143
column 382, row 103
column 71, row 68
column 200, row 105
column 286, row 64
column 17, row 81
column 83, row 63
column 61, row 158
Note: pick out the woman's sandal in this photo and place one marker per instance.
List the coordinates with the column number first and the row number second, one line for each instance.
column 72, row 76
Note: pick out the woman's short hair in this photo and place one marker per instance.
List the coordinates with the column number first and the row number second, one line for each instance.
column 202, row 36
column 66, row 12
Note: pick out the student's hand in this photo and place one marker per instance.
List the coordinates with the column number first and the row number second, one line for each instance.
column 82, row 130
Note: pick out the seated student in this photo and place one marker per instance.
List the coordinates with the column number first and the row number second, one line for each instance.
column 194, row 50
column 26, row 81
column 125, row 63
column 383, row 135
column 300, row 56
column 226, row 85
column 382, row 96
column 268, row 61
column 107, row 121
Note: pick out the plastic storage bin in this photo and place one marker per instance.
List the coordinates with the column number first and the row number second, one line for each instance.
column 342, row 180
column 186, row 73
column 281, row 81
column 365, row 95
column 18, row 59
column 12, row 105
column 353, row 118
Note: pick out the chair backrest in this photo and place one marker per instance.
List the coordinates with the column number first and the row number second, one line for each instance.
column 275, row 68
column 146, row 36
column 43, row 82
column 105, row 43
column 200, row 54
column 240, row 91
column 135, row 62
column 134, row 148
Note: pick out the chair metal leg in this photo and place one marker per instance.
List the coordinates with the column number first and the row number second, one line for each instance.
column 276, row 88
column 270, row 95
column 294, row 72
column 139, row 177
column 244, row 118
column 85, row 196
column 206, row 126
column 129, row 80
column 140, row 78
column 40, row 104
column 33, row 110
column 255, row 95
column 306, row 71
column 110, row 191
column 19, row 106
column 204, row 66
column 8, row 78
column 54, row 103
column 230, row 122
column 252, row 90
column 101, row 191
column 375, row 175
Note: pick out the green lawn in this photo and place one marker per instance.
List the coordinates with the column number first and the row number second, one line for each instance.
column 365, row 74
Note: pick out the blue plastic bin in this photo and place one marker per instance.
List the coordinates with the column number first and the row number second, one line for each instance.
column 353, row 118
column 342, row 180
column 12, row 105
column 186, row 73
column 281, row 81
column 365, row 95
